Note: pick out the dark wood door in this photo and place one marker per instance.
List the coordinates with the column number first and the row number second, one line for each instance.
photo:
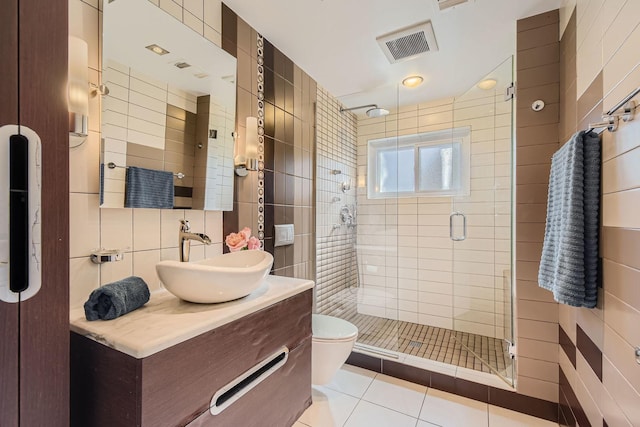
column 34, row 334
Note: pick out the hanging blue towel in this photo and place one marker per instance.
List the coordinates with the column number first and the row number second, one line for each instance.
column 569, row 264
column 148, row 188
column 101, row 183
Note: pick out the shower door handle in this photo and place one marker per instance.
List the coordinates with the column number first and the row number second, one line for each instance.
column 464, row 226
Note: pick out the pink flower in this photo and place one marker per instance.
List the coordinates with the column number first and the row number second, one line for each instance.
column 236, row 241
column 246, row 232
column 242, row 240
column 253, row 243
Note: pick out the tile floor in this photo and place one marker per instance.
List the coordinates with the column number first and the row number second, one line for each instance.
column 360, row 398
column 429, row 342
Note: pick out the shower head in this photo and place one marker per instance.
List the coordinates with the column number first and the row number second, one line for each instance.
column 373, row 110
column 377, row 112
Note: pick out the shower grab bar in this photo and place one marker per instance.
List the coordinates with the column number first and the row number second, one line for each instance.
column 464, row 226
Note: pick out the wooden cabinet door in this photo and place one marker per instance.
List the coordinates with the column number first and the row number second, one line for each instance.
column 34, row 334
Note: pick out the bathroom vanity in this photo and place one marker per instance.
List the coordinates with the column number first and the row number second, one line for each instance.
column 162, row 364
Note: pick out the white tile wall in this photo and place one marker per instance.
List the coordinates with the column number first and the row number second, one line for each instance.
column 336, row 267
column 459, row 285
column 146, row 236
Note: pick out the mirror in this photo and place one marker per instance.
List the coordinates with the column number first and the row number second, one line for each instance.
column 170, row 108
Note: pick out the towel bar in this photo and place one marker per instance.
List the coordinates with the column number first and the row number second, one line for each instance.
column 611, row 120
column 112, row 165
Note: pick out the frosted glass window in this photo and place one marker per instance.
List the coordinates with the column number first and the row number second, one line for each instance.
column 394, row 176
column 437, row 166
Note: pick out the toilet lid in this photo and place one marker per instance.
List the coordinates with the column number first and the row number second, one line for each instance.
column 328, row 327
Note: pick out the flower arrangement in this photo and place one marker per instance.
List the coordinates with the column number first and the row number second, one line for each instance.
column 242, row 240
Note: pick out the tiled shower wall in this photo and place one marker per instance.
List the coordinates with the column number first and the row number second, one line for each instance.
column 336, row 267
column 599, row 376
column 289, row 98
column 145, row 235
column 426, row 278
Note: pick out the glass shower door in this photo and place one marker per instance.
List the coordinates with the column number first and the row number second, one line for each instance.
column 356, row 236
column 379, row 165
column 480, row 223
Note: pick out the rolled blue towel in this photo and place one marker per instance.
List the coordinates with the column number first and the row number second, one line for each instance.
column 117, row 298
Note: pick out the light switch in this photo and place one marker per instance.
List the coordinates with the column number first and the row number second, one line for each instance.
column 283, row 235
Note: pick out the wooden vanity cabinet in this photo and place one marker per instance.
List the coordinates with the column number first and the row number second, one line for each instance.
column 174, row 386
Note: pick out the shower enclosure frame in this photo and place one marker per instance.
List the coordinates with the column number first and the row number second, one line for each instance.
column 361, row 292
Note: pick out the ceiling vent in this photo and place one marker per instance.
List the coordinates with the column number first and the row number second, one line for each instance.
column 409, row 42
column 446, row 4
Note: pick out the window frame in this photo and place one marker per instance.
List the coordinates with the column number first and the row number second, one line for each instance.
column 459, row 135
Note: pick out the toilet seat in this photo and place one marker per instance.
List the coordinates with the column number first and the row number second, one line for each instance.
column 332, row 329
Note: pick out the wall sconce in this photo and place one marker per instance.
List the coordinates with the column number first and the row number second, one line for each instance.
column 78, row 91
column 247, row 158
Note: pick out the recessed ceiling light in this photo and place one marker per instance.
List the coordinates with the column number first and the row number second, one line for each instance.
column 412, row 81
column 487, row 84
column 157, row 49
column 182, row 65
column 201, row 75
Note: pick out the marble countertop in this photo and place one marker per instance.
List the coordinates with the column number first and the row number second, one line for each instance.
column 167, row 320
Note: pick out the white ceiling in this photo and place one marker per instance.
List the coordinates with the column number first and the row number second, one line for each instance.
column 334, row 41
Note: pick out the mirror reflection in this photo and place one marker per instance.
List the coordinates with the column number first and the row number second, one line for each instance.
column 168, row 120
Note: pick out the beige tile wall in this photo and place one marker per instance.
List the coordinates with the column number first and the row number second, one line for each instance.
column 538, row 77
column 425, row 278
column 146, row 236
column 607, row 69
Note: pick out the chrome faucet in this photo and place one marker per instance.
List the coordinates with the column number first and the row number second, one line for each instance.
column 186, row 236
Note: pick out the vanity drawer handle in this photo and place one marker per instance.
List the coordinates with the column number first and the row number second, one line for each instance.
column 241, row 385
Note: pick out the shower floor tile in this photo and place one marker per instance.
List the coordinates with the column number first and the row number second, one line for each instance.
column 477, row 352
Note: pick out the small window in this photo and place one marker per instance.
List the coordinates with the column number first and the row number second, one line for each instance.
column 427, row 164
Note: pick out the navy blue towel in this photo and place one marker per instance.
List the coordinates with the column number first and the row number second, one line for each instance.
column 117, row 298
column 101, row 183
column 148, row 188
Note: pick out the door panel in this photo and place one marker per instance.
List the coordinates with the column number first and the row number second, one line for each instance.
column 34, row 389
column 44, row 319
column 9, row 312
column 482, row 260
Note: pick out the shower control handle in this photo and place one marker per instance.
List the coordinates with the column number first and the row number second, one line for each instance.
column 464, row 226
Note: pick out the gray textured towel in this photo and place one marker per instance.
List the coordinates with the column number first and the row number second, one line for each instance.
column 148, row 188
column 569, row 264
column 117, row 298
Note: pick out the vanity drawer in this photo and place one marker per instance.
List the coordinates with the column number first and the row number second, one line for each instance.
column 277, row 401
column 178, row 382
column 174, row 386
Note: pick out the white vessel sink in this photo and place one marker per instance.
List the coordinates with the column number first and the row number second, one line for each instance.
column 218, row 279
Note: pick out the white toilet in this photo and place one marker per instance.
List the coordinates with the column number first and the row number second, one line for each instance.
column 331, row 344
